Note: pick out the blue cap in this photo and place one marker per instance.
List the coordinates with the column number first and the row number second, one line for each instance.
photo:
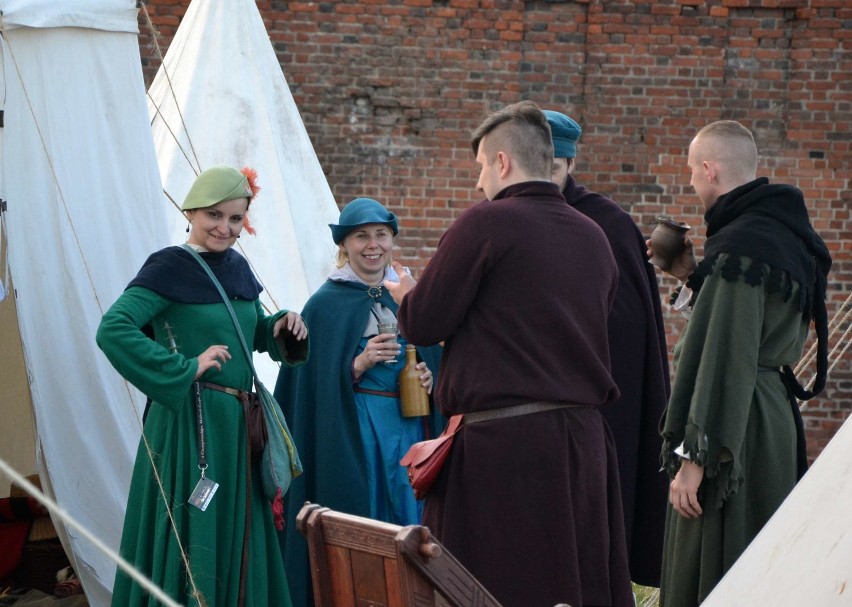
column 565, row 133
column 359, row 212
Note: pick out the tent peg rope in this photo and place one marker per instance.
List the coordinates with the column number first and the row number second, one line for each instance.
column 56, row 511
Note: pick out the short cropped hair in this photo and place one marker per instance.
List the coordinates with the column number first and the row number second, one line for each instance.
column 731, row 144
column 522, row 129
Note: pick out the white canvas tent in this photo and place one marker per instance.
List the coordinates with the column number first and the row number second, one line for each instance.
column 86, row 207
column 16, row 417
column 213, row 103
column 77, row 161
column 802, row 555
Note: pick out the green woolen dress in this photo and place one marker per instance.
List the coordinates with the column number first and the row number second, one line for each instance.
column 213, row 540
column 731, row 411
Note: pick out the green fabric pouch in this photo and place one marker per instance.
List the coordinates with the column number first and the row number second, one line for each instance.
column 280, row 461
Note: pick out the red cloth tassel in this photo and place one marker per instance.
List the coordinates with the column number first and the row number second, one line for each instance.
column 278, row 510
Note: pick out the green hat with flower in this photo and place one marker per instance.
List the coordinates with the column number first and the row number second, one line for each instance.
column 218, row 184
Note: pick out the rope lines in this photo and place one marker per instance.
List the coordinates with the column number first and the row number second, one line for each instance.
column 153, row 31
column 59, row 513
column 52, row 167
column 843, row 318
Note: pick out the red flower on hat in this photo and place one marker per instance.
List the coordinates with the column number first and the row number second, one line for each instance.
column 251, row 175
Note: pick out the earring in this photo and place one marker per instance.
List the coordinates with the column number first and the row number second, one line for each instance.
column 187, row 227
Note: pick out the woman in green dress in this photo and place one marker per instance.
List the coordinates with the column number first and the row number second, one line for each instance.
column 170, row 335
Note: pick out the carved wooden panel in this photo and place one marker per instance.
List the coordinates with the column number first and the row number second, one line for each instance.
column 359, row 562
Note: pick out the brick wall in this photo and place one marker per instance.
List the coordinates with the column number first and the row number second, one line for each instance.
column 389, row 91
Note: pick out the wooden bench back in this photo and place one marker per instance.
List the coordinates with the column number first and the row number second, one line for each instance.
column 361, row 562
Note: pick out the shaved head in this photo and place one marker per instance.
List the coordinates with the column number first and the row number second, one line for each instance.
column 731, row 146
column 522, row 130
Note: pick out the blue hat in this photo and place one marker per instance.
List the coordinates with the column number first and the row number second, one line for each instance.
column 359, row 212
column 565, row 133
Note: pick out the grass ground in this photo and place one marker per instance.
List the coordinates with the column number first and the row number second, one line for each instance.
column 646, row 596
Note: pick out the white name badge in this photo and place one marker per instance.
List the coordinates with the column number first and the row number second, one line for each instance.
column 203, row 493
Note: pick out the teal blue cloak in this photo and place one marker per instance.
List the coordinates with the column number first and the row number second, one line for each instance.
column 318, row 403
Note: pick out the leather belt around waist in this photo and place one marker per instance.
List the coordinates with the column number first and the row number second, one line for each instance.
column 376, row 392
column 516, row 410
column 242, row 395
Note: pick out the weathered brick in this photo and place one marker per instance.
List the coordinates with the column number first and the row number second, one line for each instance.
column 389, row 92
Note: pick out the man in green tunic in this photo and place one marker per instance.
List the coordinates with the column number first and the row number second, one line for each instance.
column 733, row 441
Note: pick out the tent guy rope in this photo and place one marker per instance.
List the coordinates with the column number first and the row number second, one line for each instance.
column 839, row 318
column 841, row 345
column 58, row 512
column 197, row 166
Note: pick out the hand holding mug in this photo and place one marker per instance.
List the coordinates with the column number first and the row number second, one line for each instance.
column 390, row 329
column 379, row 349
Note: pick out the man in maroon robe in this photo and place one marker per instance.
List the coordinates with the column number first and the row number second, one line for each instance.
column 519, row 291
column 640, row 366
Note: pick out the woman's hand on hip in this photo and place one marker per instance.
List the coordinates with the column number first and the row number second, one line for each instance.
column 214, row 356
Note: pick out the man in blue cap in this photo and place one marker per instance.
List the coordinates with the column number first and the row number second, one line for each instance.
column 638, row 357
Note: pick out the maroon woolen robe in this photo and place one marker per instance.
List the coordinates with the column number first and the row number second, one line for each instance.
column 519, row 290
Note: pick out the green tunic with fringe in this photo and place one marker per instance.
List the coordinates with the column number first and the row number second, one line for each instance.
column 732, row 413
column 212, row 540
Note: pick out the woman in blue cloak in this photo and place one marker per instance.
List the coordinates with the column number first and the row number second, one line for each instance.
column 343, row 406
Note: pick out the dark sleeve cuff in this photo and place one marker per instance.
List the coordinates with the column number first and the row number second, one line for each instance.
column 292, row 350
